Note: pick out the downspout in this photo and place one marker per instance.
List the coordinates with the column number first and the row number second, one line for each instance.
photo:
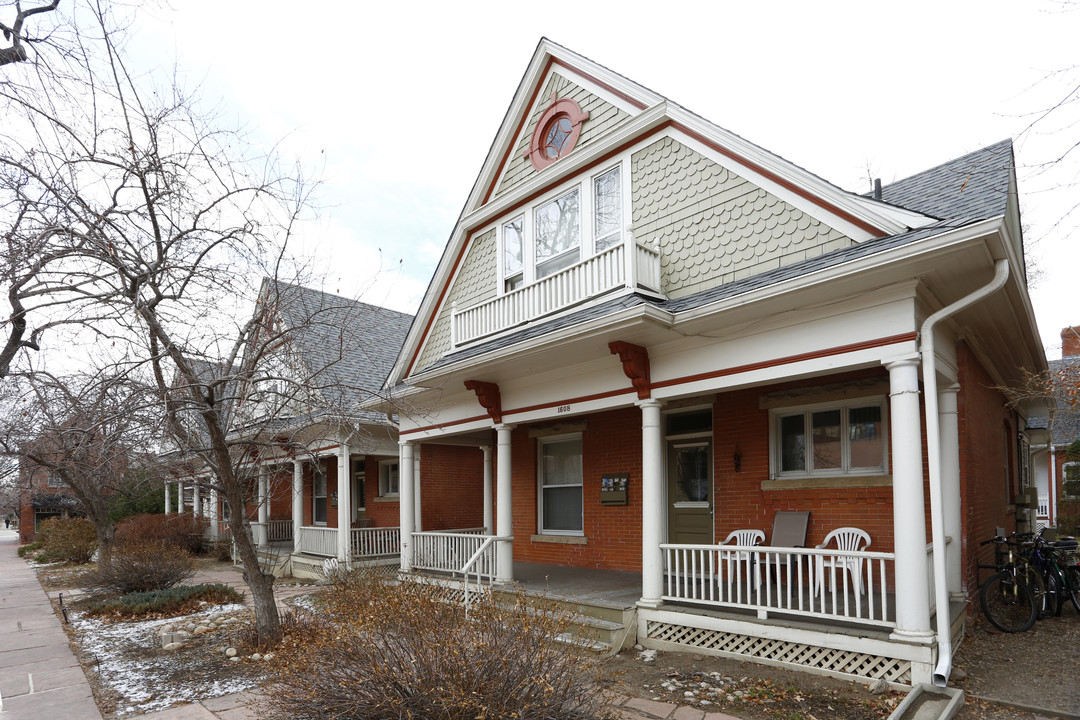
column 1051, row 519
column 933, row 453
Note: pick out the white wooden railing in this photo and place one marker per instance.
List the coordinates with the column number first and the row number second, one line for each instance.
column 375, row 541
column 279, row 530
column 450, row 551
column 628, row 264
column 318, row 541
column 792, row 581
column 1044, row 507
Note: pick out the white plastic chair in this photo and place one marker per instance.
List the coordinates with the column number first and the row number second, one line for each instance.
column 745, row 537
column 847, row 539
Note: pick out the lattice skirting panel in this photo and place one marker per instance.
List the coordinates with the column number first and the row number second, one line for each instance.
column 840, row 663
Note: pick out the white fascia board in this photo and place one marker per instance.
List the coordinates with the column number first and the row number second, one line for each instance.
column 787, row 171
column 569, row 70
column 852, row 267
column 623, row 318
column 907, row 218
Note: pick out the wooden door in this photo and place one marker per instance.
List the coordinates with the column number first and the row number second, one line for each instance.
column 690, row 492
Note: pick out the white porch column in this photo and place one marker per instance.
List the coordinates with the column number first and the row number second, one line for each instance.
column 179, row 497
column 264, row 510
column 196, row 501
column 213, row 515
column 652, row 501
column 949, row 432
column 297, row 502
column 417, row 504
column 909, row 515
column 504, row 516
column 407, row 516
column 168, row 500
column 489, row 522
column 344, row 501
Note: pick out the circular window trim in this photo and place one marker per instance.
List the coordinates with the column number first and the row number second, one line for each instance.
column 558, row 108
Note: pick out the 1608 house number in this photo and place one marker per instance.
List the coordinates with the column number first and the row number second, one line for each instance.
column 564, row 408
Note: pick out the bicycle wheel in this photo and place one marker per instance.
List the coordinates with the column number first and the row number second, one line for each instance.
column 1007, row 603
column 1045, row 599
column 1072, row 577
column 1055, row 590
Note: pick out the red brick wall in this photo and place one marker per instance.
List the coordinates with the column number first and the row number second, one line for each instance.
column 987, row 432
column 452, row 487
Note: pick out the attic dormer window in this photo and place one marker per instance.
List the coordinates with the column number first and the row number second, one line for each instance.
column 556, row 132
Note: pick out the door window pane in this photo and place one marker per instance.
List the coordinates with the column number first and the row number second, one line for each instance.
column 864, row 437
column 608, row 209
column 792, row 443
column 558, row 234
column 828, row 453
column 692, row 474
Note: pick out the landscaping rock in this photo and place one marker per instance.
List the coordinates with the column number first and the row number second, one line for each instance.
column 174, row 646
column 879, row 687
column 230, row 652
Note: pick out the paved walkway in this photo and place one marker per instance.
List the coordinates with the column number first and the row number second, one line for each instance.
column 39, row 676
column 40, row 679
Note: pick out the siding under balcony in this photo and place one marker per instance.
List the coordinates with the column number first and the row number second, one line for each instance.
column 630, row 264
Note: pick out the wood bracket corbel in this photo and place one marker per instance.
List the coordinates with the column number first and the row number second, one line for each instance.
column 635, row 363
column 488, row 396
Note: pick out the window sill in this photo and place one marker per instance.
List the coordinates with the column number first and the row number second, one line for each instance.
column 386, row 498
column 561, row 539
column 843, row 481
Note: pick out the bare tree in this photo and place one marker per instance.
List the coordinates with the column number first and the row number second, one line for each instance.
column 16, row 33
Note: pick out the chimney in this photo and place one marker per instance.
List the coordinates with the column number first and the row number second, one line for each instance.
column 1070, row 341
column 877, row 188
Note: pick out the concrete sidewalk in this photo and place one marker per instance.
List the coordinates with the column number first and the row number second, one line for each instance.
column 39, row 675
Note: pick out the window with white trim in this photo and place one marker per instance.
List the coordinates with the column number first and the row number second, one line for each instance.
column 319, row 498
column 829, row 439
column 1070, row 476
column 562, row 229
column 388, row 478
column 560, row 478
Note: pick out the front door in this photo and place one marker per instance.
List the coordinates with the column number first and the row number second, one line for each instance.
column 690, row 491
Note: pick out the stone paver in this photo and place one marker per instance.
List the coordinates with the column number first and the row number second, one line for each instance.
column 183, row 712
column 686, row 712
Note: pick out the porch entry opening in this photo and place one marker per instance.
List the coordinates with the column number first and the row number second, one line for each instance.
column 690, row 492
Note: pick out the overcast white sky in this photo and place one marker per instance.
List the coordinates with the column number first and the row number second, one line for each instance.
column 395, row 104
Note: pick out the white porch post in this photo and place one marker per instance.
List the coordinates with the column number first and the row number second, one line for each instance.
column 168, row 500
column 196, row 501
column 344, row 501
column 504, row 517
column 417, row 504
column 652, row 497
column 949, row 432
column 214, row 530
column 297, row 503
column 489, row 522
column 909, row 515
column 179, row 497
column 406, row 514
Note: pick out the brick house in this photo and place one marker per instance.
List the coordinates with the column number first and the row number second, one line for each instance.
column 42, row 495
column 646, row 333
column 1056, row 475
column 321, row 355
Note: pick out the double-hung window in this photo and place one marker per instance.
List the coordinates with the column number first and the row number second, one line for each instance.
column 829, row 440
column 319, row 495
column 579, row 221
column 1071, row 479
column 388, row 478
column 560, row 474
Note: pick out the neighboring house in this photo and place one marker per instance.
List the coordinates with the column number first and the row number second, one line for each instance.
column 43, row 495
column 1056, row 475
column 328, row 469
column 654, row 333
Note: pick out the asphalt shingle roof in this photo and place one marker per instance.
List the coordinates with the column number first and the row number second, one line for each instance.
column 1066, row 427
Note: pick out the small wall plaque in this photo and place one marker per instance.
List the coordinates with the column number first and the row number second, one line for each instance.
column 613, row 489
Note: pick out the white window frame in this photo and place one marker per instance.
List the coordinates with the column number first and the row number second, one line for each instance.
column 1065, row 478
column 540, row 442
column 389, row 478
column 776, row 449
column 315, row 496
column 586, row 186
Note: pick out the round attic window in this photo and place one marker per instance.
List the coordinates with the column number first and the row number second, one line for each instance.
column 556, row 132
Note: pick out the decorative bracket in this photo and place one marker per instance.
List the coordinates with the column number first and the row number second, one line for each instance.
column 488, row 396
column 635, row 363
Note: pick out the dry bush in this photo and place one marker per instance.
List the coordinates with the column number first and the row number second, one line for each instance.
column 394, row 651
column 71, row 540
column 144, row 567
column 184, row 531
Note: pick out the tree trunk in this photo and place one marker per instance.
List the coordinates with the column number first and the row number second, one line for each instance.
column 267, row 623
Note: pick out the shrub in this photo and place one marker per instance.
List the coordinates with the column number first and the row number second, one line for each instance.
column 183, row 531
column 71, row 540
column 31, row 548
column 388, row 651
column 144, row 567
column 179, row 600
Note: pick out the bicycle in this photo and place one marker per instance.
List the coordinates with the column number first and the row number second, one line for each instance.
column 1006, row 599
column 1055, row 563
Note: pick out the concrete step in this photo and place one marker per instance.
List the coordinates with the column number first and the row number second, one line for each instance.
column 926, row 702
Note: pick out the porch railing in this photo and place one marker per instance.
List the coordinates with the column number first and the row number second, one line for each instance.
column 279, row 530
column 1044, row 507
column 454, row 551
column 375, row 541
column 628, row 264
column 791, row 581
column 318, row 541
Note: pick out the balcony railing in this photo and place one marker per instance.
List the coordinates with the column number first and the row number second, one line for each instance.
column 778, row 580
column 629, row 264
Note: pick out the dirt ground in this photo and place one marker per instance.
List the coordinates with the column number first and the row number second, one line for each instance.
column 1036, row 669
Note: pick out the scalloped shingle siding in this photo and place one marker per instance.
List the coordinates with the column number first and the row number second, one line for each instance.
column 602, row 116
column 476, row 282
column 712, row 225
